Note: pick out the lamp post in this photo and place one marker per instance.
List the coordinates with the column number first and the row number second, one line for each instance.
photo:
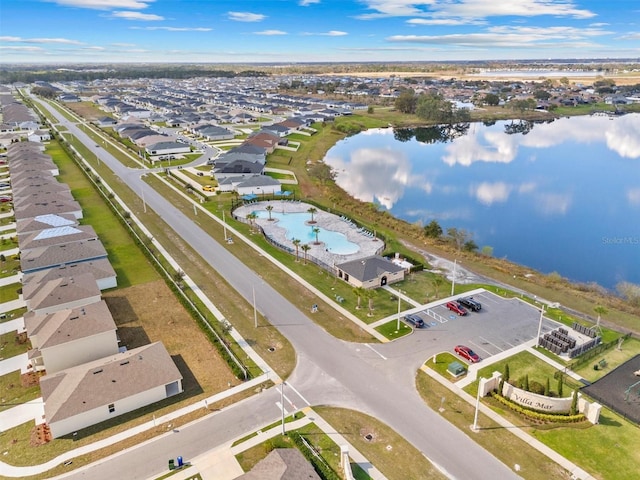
column 475, row 417
column 399, row 300
column 540, row 326
column 224, row 225
column 282, row 405
column 255, row 311
column 453, row 282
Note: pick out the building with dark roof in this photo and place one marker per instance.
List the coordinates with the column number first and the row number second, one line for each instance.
column 370, row 272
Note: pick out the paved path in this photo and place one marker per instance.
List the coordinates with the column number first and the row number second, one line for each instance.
column 11, row 364
column 17, row 278
column 31, row 411
column 15, row 325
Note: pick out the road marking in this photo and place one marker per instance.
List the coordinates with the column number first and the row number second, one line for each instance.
column 280, row 408
column 298, row 393
column 477, row 346
column 375, row 351
column 492, row 344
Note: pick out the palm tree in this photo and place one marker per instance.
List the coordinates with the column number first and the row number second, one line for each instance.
column 296, row 243
column 312, row 211
column 305, row 248
column 369, row 294
column 600, row 310
column 359, row 292
column 251, row 217
column 316, row 231
column 268, row 208
column 437, row 281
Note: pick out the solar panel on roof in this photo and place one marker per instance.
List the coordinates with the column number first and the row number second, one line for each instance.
column 57, row 232
column 53, row 220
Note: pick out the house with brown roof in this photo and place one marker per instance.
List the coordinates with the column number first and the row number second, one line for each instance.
column 282, row 464
column 96, row 391
column 42, row 222
column 62, row 293
column 69, row 337
column 56, row 236
column 44, row 258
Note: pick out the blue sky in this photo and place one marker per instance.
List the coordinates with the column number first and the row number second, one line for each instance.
column 95, row 31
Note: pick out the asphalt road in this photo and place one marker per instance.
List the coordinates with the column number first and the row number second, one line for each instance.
column 328, row 372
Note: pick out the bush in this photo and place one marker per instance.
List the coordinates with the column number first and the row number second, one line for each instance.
column 536, row 387
column 537, row 415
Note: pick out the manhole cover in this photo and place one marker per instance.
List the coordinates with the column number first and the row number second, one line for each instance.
column 368, row 437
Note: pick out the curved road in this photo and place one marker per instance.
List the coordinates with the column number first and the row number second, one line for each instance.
column 329, row 371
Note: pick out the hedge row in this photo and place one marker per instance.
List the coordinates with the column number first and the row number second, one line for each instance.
column 537, row 415
column 321, row 468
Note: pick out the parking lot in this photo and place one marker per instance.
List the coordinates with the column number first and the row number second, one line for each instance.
column 500, row 325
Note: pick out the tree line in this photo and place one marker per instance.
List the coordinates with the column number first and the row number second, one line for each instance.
column 431, row 107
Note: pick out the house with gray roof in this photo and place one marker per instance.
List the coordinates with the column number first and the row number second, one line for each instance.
column 101, row 269
column 41, row 222
column 69, row 337
column 56, row 236
column 44, row 207
column 81, row 396
column 44, row 258
column 167, row 148
column 370, row 272
column 30, row 197
column 63, row 293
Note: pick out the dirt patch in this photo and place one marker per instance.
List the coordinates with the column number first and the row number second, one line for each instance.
column 150, row 313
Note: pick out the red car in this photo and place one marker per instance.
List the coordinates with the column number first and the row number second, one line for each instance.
column 467, row 353
column 454, row 307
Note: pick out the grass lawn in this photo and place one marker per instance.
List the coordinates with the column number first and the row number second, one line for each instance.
column 494, row 438
column 390, row 329
column 13, row 393
column 400, row 462
column 10, row 266
column 581, row 443
column 614, row 357
column 10, row 292
column 11, row 344
column 443, row 360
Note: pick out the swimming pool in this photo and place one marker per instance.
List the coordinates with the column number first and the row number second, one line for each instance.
column 294, row 225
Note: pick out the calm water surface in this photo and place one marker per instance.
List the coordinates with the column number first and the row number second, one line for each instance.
column 560, row 196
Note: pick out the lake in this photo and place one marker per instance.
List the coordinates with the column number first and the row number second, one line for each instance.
column 559, row 196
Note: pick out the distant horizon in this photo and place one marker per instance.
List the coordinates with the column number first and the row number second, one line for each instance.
column 325, row 31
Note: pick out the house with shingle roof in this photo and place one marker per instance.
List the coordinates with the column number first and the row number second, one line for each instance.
column 93, row 392
column 69, row 337
column 370, row 272
column 282, row 464
column 44, row 258
column 62, row 293
column 101, row 269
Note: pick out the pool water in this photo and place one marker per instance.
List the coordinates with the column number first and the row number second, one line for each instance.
column 294, row 225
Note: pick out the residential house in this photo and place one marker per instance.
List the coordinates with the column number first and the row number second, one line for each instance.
column 62, row 293
column 56, row 236
column 101, row 269
column 44, row 258
column 69, row 337
column 81, row 396
column 167, row 148
column 370, row 272
column 42, row 222
column 282, row 464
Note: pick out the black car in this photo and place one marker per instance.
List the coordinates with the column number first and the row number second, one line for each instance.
column 414, row 320
column 470, row 303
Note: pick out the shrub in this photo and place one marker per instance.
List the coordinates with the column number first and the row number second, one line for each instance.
column 536, row 387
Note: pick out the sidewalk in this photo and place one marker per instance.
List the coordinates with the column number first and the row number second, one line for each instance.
column 575, row 471
column 221, row 464
column 17, row 278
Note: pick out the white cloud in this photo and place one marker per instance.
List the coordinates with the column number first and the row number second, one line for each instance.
column 528, row 187
column 306, row 3
column 335, row 33
column 444, row 21
column 119, row 44
column 19, row 48
column 246, row 16
column 477, row 9
column 145, row 17
column 64, row 41
column 270, row 32
column 105, row 4
column 175, row 29
column 553, row 203
column 490, row 193
column 633, row 196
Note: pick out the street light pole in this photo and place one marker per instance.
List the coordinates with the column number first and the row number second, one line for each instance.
column 453, row 282
column 282, row 405
column 399, row 300
column 475, row 417
column 540, row 326
column 255, row 311
column 224, row 225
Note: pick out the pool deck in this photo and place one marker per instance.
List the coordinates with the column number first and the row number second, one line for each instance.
column 368, row 244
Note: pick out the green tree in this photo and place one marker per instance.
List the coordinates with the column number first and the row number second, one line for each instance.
column 305, row 248
column 491, row 99
column 506, row 372
column 547, row 388
column 525, row 385
column 316, row 231
column 312, row 211
column 433, row 229
column 296, row 243
column 406, row 102
column 359, row 292
column 574, row 403
column 370, row 110
column 487, row 251
column 436, row 282
column 560, row 384
column 600, row 310
column 470, row 246
column 541, row 94
column 269, row 209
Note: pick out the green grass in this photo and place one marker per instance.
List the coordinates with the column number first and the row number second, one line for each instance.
column 288, row 419
column 443, row 360
column 13, row 393
column 10, row 292
column 11, row 345
column 11, row 314
column 10, row 266
column 390, row 330
column 131, row 266
column 614, row 358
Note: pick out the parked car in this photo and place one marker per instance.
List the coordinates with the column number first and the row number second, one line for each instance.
column 470, row 303
column 5, row 199
column 454, row 307
column 466, row 353
column 414, row 320
column 208, row 188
